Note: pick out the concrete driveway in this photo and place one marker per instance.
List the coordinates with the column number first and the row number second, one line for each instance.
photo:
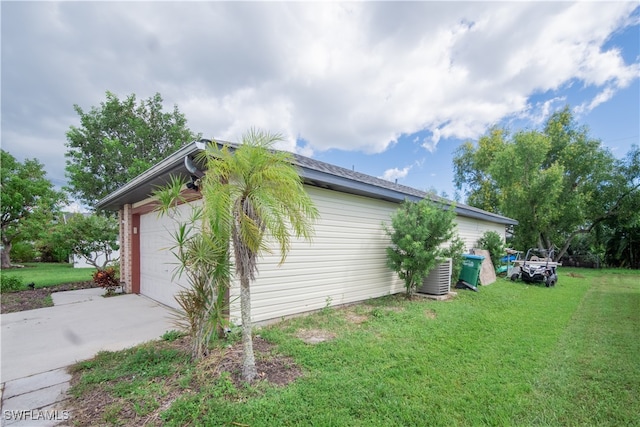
column 79, row 325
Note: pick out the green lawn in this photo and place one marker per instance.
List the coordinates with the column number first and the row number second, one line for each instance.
column 511, row 354
column 45, row 274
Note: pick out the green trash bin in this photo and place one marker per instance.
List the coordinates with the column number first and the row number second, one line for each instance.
column 471, row 265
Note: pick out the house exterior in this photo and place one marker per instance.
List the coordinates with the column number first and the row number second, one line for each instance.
column 81, row 262
column 344, row 263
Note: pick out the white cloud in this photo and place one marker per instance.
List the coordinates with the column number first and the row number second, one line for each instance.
column 346, row 83
column 537, row 113
column 395, row 173
column 353, row 76
column 75, row 207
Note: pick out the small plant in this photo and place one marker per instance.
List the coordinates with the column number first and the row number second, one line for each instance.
column 203, row 258
column 107, row 279
column 455, row 252
column 327, row 304
column 377, row 312
column 492, row 242
column 224, row 386
column 9, row 283
column 171, row 335
column 233, row 334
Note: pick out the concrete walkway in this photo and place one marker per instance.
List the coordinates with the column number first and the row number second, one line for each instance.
column 38, row 345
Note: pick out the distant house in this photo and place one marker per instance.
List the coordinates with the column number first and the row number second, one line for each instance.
column 345, row 262
column 80, row 262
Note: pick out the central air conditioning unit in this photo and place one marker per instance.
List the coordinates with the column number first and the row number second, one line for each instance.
column 438, row 282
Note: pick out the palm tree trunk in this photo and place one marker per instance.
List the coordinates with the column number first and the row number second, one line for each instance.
column 249, row 370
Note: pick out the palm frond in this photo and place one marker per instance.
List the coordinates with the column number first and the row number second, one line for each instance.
column 169, row 196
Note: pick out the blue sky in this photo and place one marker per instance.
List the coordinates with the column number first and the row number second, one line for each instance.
column 388, row 88
column 615, row 122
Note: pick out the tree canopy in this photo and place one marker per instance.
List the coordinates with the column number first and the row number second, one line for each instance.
column 557, row 182
column 29, row 200
column 92, row 237
column 119, row 140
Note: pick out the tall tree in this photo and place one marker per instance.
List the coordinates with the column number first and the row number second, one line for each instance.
column 557, row 182
column 254, row 194
column 29, row 200
column 471, row 167
column 118, row 141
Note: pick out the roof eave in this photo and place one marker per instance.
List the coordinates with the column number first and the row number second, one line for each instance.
column 155, row 176
column 140, row 187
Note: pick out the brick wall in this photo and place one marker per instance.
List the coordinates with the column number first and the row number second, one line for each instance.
column 125, row 217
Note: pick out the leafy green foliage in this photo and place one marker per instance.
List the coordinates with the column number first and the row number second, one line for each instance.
column 417, row 232
column 250, row 193
column 9, row 283
column 172, row 335
column 203, row 257
column 455, row 252
column 28, row 201
column 492, row 242
column 47, row 251
column 88, row 236
column 23, row 251
column 119, row 140
column 557, row 182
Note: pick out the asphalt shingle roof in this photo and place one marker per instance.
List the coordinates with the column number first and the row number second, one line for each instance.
column 314, row 172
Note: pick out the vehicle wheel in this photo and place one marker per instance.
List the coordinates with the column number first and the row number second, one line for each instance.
column 514, row 277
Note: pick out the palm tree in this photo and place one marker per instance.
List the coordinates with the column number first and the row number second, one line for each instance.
column 250, row 193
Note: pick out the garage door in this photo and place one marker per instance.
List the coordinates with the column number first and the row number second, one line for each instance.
column 157, row 262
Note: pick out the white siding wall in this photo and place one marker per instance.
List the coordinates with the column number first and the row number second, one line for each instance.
column 81, row 262
column 345, row 263
column 470, row 230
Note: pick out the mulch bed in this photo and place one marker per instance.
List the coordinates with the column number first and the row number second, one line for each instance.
column 273, row 368
column 37, row 298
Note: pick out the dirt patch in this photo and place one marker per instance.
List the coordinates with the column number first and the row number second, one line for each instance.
column 37, row 298
column 355, row 318
column 572, row 274
column 315, row 336
column 430, row 314
column 273, row 368
column 92, row 407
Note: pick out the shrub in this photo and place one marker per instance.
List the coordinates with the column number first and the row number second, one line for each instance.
column 108, row 279
column 417, row 232
column 23, row 252
column 10, row 283
column 492, row 242
column 455, row 252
